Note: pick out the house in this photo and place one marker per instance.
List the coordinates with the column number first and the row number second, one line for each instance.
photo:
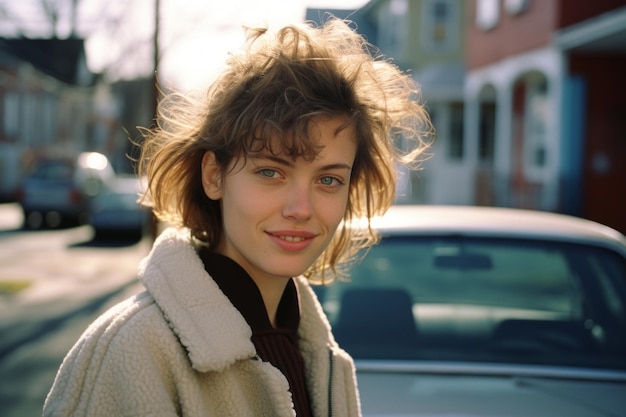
column 45, row 101
column 426, row 39
column 51, row 101
column 527, row 97
column 545, row 107
column 47, row 87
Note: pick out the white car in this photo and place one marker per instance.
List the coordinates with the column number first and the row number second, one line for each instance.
column 475, row 311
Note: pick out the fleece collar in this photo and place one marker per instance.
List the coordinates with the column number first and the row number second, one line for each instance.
column 207, row 324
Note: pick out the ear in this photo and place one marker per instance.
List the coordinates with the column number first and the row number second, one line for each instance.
column 211, row 176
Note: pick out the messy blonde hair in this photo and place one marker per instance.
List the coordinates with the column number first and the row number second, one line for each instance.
column 275, row 88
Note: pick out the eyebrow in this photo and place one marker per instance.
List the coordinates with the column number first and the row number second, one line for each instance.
column 285, row 162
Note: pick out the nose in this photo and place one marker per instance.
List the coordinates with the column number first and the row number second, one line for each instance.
column 298, row 203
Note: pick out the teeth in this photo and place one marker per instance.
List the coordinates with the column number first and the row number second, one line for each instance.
column 292, row 238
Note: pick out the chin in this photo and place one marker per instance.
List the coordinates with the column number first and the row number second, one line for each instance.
column 290, row 272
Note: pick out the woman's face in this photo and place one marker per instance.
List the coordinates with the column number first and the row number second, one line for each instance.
column 280, row 213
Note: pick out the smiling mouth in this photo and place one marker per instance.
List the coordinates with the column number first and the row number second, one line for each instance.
column 292, row 238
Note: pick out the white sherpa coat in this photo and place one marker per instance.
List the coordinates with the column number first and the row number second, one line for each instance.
column 182, row 349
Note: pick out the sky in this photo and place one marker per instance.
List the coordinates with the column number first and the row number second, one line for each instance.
column 195, row 36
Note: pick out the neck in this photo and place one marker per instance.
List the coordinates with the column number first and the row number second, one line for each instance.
column 272, row 291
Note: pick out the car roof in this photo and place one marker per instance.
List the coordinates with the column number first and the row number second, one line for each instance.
column 126, row 184
column 496, row 222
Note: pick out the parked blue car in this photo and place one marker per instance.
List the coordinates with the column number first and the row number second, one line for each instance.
column 59, row 189
column 116, row 211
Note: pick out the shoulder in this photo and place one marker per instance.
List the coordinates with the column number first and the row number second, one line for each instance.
column 122, row 355
column 125, row 313
column 135, row 324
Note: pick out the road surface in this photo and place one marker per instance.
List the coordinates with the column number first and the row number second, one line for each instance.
column 53, row 283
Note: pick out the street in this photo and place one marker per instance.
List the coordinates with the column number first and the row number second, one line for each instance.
column 53, row 283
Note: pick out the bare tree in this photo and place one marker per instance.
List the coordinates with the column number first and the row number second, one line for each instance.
column 39, row 18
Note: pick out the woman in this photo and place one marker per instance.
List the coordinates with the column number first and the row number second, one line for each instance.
column 297, row 137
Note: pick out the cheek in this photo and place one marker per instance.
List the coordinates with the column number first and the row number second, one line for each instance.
column 239, row 220
column 333, row 210
column 239, row 205
column 244, row 205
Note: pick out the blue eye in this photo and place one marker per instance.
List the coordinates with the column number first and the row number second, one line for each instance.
column 330, row 181
column 269, row 173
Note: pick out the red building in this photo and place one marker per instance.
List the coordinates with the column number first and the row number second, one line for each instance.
column 545, row 98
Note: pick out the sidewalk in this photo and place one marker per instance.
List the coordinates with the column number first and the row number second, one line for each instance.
column 59, row 281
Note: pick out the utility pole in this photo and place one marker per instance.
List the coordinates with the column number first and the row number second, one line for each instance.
column 156, row 57
column 154, row 222
column 74, row 19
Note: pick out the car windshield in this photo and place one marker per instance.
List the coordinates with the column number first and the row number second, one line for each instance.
column 483, row 300
column 52, row 170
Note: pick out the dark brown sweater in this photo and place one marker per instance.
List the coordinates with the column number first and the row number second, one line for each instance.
column 276, row 345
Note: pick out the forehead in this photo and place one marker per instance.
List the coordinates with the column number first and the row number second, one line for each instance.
column 305, row 140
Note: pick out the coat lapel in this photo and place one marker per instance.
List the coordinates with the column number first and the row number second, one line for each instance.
column 210, row 328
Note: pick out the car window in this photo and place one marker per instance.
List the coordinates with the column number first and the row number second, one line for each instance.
column 474, row 299
column 52, row 170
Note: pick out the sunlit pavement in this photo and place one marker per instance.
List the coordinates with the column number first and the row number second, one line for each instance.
column 53, row 283
column 10, row 216
column 57, row 279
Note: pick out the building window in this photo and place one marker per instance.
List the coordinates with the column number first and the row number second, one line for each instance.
column 536, row 125
column 487, row 138
column 48, row 117
column 456, row 145
column 11, row 114
column 440, row 25
column 487, row 14
column 393, row 28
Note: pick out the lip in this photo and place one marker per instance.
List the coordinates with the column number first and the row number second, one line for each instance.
column 292, row 240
